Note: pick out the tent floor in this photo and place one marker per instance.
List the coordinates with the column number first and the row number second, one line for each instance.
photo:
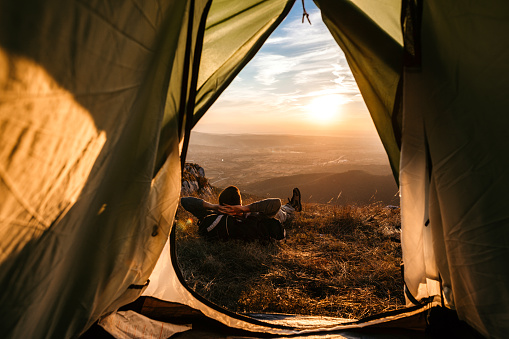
column 434, row 323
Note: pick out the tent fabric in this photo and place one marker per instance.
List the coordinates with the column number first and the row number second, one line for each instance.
column 83, row 99
column 129, row 324
column 184, row 71
column 454, row 168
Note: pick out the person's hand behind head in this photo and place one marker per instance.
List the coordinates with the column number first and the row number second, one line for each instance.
column 235, row 210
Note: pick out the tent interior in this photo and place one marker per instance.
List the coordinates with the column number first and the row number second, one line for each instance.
column 97, row 101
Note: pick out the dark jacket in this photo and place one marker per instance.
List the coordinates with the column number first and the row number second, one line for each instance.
column 258, row 225
column 253, row 227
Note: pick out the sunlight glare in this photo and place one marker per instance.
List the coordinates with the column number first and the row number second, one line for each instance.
column 324, row 109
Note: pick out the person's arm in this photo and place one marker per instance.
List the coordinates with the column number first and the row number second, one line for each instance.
column 201, row 208
column 198, row 207
column 209, row 206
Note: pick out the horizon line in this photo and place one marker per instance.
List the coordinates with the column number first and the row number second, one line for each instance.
column 349, row 134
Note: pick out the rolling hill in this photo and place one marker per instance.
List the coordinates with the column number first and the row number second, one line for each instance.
column 351, row 187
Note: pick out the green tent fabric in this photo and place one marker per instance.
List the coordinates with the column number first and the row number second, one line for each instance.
column 454, row 178
column 83, row 100
column 96, row 105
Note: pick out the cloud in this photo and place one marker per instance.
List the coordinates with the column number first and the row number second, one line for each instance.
column 308, row 75
column 279, row 40
column 301, row 55
column 269, row 66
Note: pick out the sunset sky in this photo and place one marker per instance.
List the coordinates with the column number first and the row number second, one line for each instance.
column 298, row 83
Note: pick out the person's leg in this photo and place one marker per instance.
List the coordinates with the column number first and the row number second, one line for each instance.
column 295, row 201
column 286, row 214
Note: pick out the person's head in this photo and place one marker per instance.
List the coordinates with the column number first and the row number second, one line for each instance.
column 230, row 196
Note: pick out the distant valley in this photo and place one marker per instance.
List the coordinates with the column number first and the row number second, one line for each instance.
column 335, row 170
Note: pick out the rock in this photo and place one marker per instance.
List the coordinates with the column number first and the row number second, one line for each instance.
column 201, row 172
column 194, row 182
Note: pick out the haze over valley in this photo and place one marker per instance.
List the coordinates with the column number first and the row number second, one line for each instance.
column 336, row 170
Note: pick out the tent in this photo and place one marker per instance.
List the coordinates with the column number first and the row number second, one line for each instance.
column 97, row 100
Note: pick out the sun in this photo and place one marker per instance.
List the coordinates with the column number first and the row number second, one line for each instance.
column 324, row 109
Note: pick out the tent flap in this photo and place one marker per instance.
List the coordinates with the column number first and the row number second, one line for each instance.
column 83, row 88
column 453, row 167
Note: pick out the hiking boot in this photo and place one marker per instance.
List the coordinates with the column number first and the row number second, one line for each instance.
column 295, row 201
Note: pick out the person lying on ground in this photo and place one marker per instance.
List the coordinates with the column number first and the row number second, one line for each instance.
column 229, row 219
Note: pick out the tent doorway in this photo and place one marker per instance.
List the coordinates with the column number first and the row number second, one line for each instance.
column 276, row 128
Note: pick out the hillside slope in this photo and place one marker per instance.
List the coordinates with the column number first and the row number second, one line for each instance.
column 352, row 187
column 340, row 261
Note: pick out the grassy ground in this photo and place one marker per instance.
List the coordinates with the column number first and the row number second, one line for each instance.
column 338, row 261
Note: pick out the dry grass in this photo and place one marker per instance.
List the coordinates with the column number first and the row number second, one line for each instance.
column 338, row 261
